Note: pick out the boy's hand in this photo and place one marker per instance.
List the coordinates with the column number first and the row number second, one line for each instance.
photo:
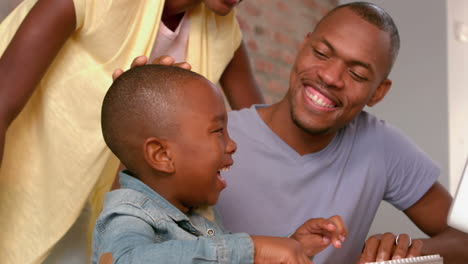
column 278, row 250
column 317, row 233
column 142, row 60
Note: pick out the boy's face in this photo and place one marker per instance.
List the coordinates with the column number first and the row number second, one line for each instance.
column 201, row 146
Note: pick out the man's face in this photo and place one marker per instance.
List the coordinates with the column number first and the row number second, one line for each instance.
column 202, row 147
column 341, row 67
column 221, row 7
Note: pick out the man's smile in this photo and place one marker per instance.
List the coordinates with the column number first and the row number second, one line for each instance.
column 318, row 99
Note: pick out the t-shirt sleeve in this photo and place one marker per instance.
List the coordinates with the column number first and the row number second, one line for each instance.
column 90, row 13
column 80, row 7
column 410, row 171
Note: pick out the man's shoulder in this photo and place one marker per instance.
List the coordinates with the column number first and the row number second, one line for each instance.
column 369, row 128
column 379, row 126
column 368, row 120
column 240, row 119
column 241, row 113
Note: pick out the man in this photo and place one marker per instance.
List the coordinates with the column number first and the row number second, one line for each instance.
column 316, row 153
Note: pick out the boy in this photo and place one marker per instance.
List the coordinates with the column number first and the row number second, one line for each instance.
column 168, row 126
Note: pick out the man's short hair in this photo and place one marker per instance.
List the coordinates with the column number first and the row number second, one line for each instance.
column 378, row 17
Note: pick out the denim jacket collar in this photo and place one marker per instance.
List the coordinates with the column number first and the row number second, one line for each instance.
column 130, row 182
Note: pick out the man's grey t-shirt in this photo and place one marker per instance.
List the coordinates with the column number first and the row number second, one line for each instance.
column 272, row 189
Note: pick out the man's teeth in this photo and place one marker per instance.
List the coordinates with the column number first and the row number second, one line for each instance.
column 318, row 100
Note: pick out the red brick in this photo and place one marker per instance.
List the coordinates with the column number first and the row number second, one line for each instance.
column 251, row 9
column 274, row 30
column 283, row 7
column 263, row 65
column 283, row 38
column 245, row 27
column 252, row 45
column 276, row 86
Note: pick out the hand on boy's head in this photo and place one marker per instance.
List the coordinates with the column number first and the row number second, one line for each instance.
column 318, row 233
column 142, row 60
column 278, row 250
column 138, row 61
column 168, row 60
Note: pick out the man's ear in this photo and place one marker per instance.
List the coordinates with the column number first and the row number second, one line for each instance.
column 380, row 92
column 158, row 155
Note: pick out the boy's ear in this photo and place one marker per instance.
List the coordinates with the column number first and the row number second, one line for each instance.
column 158, row 155
column 380, row 92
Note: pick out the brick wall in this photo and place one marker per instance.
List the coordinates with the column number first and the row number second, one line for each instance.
column 272, row 30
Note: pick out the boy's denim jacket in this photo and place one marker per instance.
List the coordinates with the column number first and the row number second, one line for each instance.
column 137, row 225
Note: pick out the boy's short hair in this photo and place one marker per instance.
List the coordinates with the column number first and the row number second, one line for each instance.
column 139, row 104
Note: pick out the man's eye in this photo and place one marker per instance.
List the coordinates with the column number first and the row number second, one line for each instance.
column 320, row 54
column 219, row 130
column 358, row 77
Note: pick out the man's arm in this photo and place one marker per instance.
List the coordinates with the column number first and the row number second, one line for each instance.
column 238, row 81
column 32, row 49
column 430, row 215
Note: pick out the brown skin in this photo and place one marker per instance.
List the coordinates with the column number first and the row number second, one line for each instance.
column 316, row 234
column 309, row 239
column 346, row 61
column 24, row 62
column 52, row 22
column 446, row 241
column 190, row 158
column 238, row 82
column 328, row 62
column 341, row 74
column 183, row 168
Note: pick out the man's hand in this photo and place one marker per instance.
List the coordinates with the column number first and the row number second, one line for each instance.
column 274, row 250
column 142, row 60
column 317, row 233
column 383, row 247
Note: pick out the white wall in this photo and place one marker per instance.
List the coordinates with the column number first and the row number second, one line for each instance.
column 457, row 13
column 419, row 100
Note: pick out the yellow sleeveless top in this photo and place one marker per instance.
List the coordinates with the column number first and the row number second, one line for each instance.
column 55, row 158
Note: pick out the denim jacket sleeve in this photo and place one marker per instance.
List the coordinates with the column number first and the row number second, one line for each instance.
column 133, row 240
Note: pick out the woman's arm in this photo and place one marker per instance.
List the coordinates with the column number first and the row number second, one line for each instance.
column 238, row 81
column 33, row 48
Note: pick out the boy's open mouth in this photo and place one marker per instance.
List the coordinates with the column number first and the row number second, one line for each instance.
column 224, row 169
column 220, row 178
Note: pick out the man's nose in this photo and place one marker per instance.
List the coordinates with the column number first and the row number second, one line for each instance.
column 331, row 73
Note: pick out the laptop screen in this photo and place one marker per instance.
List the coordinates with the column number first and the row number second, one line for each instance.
column 458, row 215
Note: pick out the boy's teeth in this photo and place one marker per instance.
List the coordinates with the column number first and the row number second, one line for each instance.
column 227, row 168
